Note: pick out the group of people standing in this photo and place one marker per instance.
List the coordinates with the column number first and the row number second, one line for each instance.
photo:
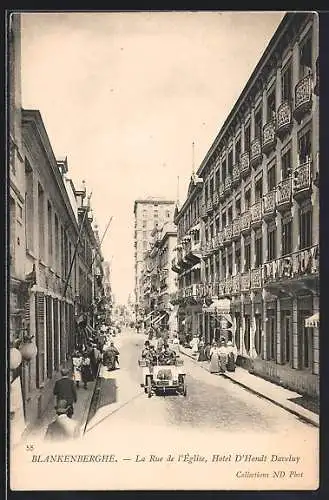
column 221, row 354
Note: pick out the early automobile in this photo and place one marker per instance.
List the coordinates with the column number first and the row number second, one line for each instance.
column 163, row 378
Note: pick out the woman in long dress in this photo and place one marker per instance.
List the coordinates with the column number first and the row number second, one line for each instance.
column 222, row 351
column 76, row 362
column 214, row 359
column 202, row 355
column 195, row 346
column 231, row 356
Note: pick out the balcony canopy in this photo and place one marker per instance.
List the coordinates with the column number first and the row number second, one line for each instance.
column 313, row 321
column 220, row 306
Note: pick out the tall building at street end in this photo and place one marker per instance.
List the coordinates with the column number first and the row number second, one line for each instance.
column 149, row 213
column 248, row 233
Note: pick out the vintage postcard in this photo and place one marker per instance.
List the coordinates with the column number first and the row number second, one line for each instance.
column 163, row 170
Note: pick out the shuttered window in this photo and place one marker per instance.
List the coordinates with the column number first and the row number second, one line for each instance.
column 40, row 337
column 49, row 333
column 56, row 335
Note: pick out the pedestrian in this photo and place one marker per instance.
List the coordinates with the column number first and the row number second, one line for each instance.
column 214, row 358
column 86, row 374
column 232, row 355
column 202, row 355
column 175, row 344
column 222, row 356
column 62, row 428
column 207, row 351
column 93, row 359
column 76, row 362
column 64, row 388
column 194, row 346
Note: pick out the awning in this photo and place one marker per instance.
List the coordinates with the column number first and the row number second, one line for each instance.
column 313, row 321
column 220, row 306
column 158, row 319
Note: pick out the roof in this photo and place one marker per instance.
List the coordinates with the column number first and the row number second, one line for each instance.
column 150, row 201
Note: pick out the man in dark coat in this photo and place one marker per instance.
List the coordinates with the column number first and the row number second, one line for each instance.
column 62, row 428
column 65, row 389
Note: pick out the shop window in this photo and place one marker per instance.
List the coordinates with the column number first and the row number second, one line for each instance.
column 247, row 333
column 286, row 83
column 286, row 338
column 305, row 226
column 306, row 344
column 258, row 334
column 271, row 178
column 238, row 330
column 271, row 335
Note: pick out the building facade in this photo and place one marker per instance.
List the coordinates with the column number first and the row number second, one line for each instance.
column 149, row 213
column 259, row 215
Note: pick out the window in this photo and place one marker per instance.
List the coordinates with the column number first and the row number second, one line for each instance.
column 259, row 250
column 224, row 170
column 286, row 164
column 238, row 330
column 230, row 263
column 286, row 329
column 286, row 83
column 306, row 346
column 258, row 334
column 223, row 265
column 247, row 137
column 271, row 335
column 56, row 248
column 286, row 236
column 271, row 178
column 217, row 225
column 271, row 105
column 237, row 259
column 41, row 220
column 217, row 179
column 223, row 220
column 238, row 207
column 230, row 162
column 305, row 57
column 50, row 235
column 258, row 189
column 29, row 207
column 247, row 333
column 305, row 226
column 304, row 147
column 258, row 123
column 237, row 150
column 229, row 215
column 247, row 255
column 271, row 243
column 247, row 197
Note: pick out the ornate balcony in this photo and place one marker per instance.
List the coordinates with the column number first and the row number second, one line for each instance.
column 236, row 284
column 300, row 267
column 245, row 221
column 210, row 206
column 302, row 181
column 221, row 193
column 256, row 214
column 256, row 278
column 283, row 194
column 227, row 234
column 283, row 119
column 216, row 199
column 256, row 155
column 303, row 97
column 221, row 289
column 228, row 286
column 269, row 137
column 245, row 282
column 245, row 164
column 228, row 185
column 236, row 175
column 236, row 229
column 269, row 205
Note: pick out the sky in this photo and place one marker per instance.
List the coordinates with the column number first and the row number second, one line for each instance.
column 124, row 96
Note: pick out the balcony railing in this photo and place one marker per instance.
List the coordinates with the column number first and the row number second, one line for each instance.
column 256, row 213
column 245, row 282
column 302, row 180
column 256, row 152
column 228, row 286
column 269, row 137
column 256, row 278
column 236, row 174
column 236, row 228
column 303, row 97
column 283, row 119
column 269, row 204
column 221, row 193
column 228, row 184
column 283, row 194
column 296, row 265
column 245, row 164
column 227, row 234
column 209, row 206
column 245, row 221
column 236, row 284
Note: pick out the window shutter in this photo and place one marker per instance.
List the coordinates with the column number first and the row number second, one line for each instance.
column 40, row 339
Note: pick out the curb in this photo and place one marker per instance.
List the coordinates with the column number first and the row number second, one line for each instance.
column 304, row 418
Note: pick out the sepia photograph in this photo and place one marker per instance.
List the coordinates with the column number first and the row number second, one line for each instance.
column 163, row 250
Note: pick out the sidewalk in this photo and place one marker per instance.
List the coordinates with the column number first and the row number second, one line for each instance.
column 257, row 385
column 81, row 410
